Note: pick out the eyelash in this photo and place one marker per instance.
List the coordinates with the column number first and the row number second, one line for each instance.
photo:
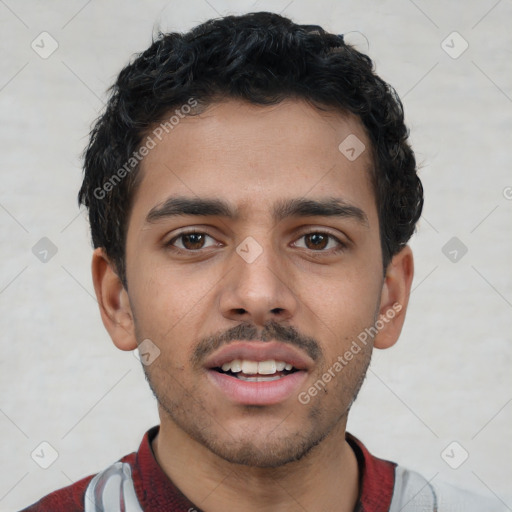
column 341, row 245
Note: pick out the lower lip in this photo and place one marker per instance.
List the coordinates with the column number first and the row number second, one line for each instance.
column 258, row 393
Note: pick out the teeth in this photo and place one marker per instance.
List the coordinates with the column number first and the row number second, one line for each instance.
column 235, row 366
column 267, row 367
column 280, row 366
column 247, row 367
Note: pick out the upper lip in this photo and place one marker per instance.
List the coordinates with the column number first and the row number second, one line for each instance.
column 260, row 351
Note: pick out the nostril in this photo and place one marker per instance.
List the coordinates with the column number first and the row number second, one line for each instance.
column 277, row 310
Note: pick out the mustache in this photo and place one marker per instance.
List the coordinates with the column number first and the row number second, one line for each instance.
column 271, row 331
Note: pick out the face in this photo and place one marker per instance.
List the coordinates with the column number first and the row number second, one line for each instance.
column 252, row 245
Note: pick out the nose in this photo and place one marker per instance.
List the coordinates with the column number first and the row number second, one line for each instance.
column 258, row 290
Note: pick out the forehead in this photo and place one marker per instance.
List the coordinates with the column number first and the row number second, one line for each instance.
column 254, row 156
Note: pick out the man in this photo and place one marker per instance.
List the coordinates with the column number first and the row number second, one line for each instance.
column 251, row 192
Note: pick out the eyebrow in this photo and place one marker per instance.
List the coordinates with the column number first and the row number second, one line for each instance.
column 327, row 207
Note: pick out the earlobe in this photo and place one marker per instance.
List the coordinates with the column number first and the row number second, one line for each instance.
column 113, row 301
column 395, row 298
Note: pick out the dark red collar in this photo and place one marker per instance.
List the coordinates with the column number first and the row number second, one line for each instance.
column 156, row 492
column 376, row 479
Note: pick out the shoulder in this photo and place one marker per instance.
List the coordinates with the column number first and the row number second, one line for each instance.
column 414, row 492
column 452, row 498
column 70, row 498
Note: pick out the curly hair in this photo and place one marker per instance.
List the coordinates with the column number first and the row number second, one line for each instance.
column 262, row 58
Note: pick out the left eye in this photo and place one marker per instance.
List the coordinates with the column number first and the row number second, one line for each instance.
column 319, row 241
column 191, row 241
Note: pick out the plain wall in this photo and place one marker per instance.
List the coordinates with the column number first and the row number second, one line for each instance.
column 449, row 377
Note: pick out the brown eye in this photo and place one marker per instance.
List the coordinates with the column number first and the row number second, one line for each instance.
column 190, row 241
column 316, row 241
column 193, row 241
column 320, row 242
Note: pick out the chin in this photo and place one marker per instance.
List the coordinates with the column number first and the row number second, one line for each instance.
column 262, row 453
column 261, row 441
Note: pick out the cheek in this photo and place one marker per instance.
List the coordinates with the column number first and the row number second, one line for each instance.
column 342, row 303
column 171, row 307
column 162, row 295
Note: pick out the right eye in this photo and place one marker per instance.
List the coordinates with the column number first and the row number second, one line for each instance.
column 190, row 241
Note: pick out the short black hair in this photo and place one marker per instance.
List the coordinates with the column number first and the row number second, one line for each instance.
column 262, row 58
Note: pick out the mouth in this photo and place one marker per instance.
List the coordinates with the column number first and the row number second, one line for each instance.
column 258, row 373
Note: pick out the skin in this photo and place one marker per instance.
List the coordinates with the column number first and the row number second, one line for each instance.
column 288, row 456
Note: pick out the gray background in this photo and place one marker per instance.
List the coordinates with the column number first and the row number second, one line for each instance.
column 448, row 379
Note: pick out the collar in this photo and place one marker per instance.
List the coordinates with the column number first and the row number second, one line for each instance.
column 376, row 478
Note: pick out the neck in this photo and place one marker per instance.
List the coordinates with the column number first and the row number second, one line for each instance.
column 325, row 479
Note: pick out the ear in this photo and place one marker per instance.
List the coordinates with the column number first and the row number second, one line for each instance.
column 113, row 300
column 394, row 298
